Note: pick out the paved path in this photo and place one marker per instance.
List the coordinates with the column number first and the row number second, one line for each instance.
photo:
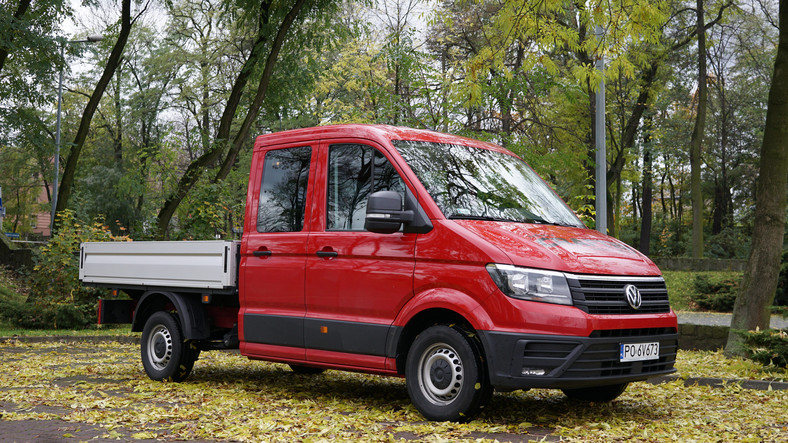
column 717, row 319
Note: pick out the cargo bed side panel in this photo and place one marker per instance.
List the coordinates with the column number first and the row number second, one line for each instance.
column 210, row 265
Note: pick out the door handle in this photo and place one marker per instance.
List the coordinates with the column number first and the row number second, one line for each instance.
column 262, row 253
column 327, row 252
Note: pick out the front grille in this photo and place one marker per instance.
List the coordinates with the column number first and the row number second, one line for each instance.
column 605, row 295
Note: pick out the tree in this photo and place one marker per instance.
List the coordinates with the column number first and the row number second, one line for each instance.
column 222, row 143
column 759, row 282
column 698, row 133
column 25, row 36
column 114, row 60
column 646, row 219
column 20, row 11
column 29, row 63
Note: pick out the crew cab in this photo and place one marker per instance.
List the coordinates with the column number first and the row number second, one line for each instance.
column 400, row 252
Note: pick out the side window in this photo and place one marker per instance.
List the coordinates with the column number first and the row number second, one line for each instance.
column 283, row 190
column 354, row 172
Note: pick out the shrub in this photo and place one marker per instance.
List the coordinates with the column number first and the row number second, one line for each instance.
column 768, row 347
column 731, row 242
column 46, row 316
column 56, row 297
column 717, row 296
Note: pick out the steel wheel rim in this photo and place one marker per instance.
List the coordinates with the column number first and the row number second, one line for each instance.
column 160, row 347
column 441, row 375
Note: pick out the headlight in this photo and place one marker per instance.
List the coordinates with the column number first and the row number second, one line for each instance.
column 531, row 284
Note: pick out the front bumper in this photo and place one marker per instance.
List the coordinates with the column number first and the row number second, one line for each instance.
column 515, row 360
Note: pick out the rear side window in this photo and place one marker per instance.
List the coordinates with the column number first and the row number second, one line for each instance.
column 283, row 190
column 354, row 172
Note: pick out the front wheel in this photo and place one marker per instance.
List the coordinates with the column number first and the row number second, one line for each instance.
column 445, row 375
column 165, row 355
column 600, row 394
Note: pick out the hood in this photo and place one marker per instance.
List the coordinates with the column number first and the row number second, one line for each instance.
column 562, row 248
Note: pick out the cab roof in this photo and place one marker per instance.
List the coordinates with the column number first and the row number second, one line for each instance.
column 379, row 133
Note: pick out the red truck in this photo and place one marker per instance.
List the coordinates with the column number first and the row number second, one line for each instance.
column 400, row 252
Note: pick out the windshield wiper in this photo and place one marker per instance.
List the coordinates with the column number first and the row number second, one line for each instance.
column 541, row 221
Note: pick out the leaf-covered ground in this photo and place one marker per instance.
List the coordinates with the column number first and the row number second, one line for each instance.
column 103, row 387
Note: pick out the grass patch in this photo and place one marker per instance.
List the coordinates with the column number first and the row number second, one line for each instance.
column 94, row 331
column 681, row 288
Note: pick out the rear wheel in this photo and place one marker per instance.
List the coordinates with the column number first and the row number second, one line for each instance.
column 600, row 394
column 445, row 375
column 165, row 355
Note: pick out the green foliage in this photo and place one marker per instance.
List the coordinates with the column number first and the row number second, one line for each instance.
column 100, row 194
column 20, row 166
column 681, row 286
column 32, row 49
column 517, row 73
column 212, row 212
column 215, row 210
column 46, row 316
column 731, row 242
column 715, row 295
column 56, row 297
column 16, row 312
column 769, row 348
column 550, row 30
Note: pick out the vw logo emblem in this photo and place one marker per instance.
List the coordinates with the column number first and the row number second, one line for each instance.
column 633, row 296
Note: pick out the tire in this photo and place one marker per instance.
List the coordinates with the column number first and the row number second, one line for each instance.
column 306, row 370
column 165, row 355
column 598, row 394
column 445, row 375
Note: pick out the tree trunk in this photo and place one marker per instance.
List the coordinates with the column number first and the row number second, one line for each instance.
column 629, row 135
column 759, row 282
column 646, row 213
column 722, row 213
column 696, row 143
column 118, row 122
column 209, row 157
column 262, row 89
column 20, row 11
column 70, row 169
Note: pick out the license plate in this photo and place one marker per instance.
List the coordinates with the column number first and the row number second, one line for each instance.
column 639, row 351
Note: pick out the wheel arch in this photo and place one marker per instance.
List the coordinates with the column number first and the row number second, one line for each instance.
column 191, row 315
column 449, row 307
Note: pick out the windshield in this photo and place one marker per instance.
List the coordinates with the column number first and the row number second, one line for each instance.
column 480, row 184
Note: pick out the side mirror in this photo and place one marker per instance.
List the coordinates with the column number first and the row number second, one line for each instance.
column 385, row 214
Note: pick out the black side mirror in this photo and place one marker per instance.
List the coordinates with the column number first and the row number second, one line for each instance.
column 385, row 214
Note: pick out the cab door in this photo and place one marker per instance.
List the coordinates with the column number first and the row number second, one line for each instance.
column 356, row 281
column 273, row 255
